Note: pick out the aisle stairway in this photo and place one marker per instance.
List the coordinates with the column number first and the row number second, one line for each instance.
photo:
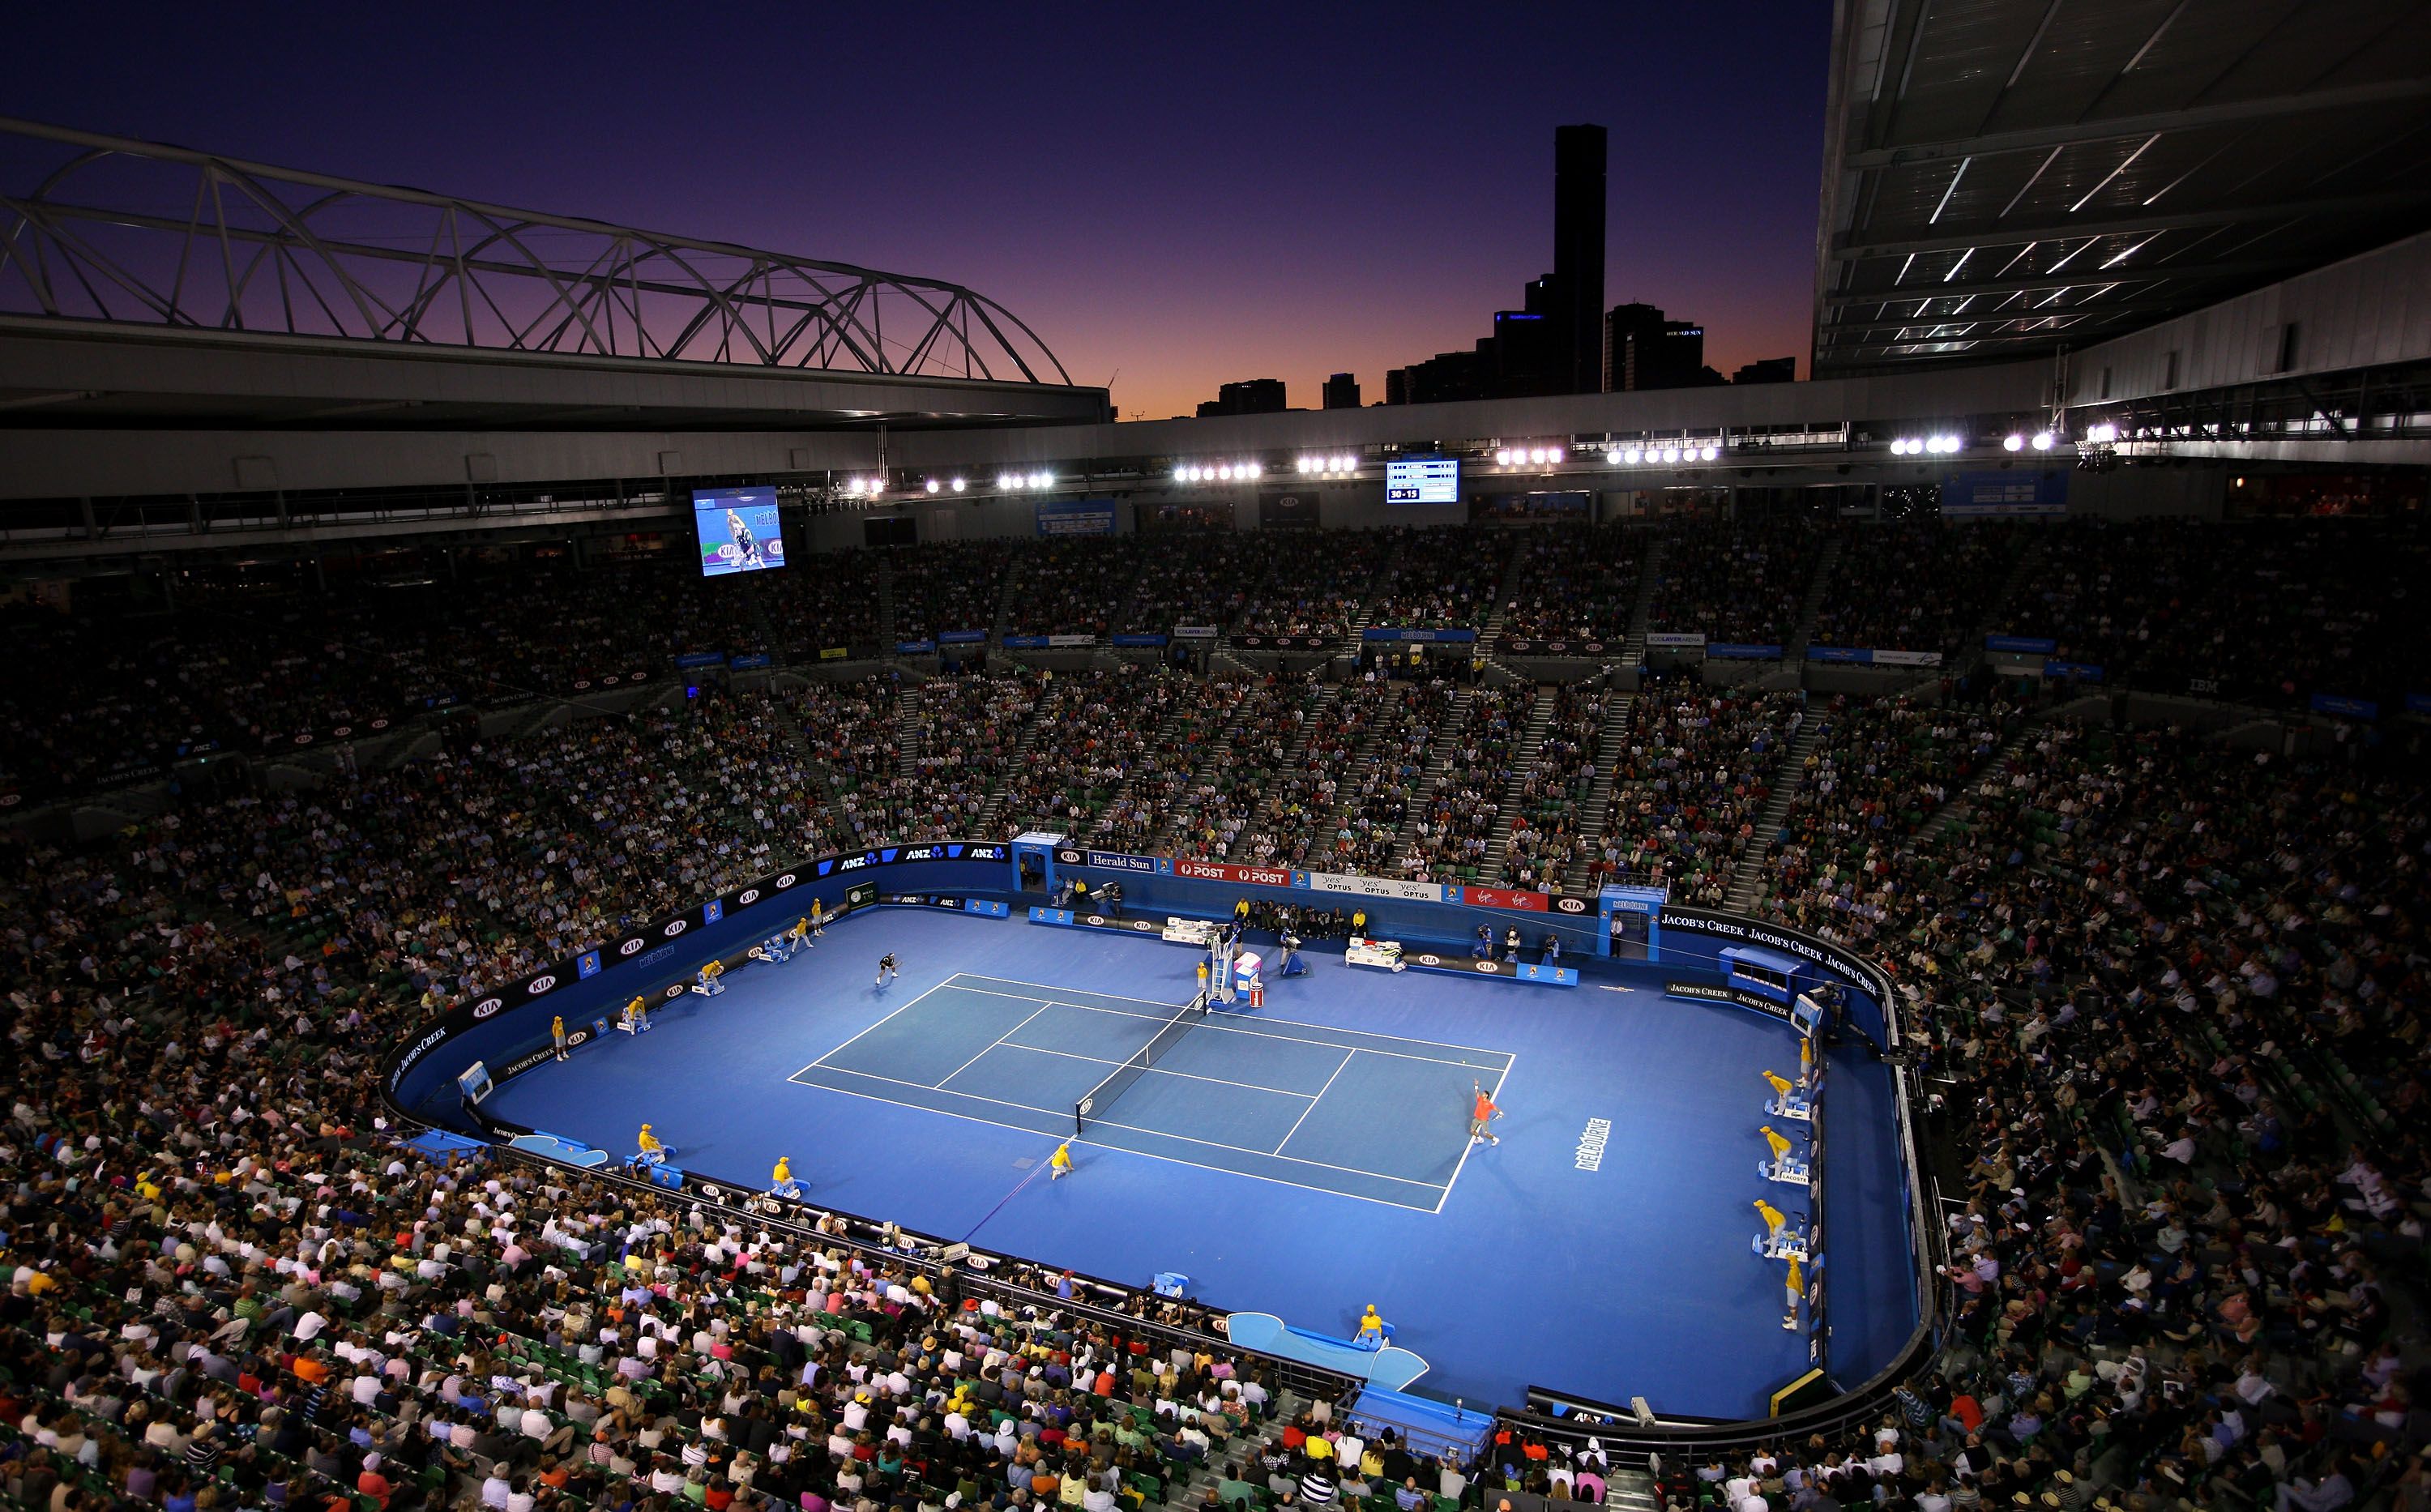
column 1523, row 754
column 1650, row 574
column 1794, row 649
column 1422, row 793
column 1598, row 804
column 1789, row 777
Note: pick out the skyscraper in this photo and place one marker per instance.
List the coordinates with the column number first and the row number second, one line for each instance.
column 1251, row 396
column 1341, row 391
column 1578, row 255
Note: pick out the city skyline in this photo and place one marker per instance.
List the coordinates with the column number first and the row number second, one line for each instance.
column 1172, row 203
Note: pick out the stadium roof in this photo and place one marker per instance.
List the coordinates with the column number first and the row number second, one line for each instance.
column 2003, row 177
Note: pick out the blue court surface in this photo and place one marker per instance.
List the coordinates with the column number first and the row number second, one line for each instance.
column 1302, row 1159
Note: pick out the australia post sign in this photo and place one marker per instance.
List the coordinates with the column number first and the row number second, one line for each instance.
column 1226, row 872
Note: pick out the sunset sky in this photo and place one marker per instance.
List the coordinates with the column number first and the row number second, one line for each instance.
column 1172, row 196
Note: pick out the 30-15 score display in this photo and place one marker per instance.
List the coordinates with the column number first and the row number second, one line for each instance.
column 1422, row 481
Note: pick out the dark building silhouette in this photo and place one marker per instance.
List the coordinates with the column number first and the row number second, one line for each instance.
column 1647, row 351
column 1341, row 391
column 1554, row 342
column 1768, row 370
column 1577, row 294
column 1251, row 397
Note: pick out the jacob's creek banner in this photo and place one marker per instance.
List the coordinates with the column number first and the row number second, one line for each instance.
column 1350, row 883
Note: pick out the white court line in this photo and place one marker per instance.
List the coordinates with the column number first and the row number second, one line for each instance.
column 1257, row 1034
column 1297, row 1023
column 1319, row 1098
column 1100, row 1060
column 1144, row 1154
column 1497, row 1096
column 940, row 1083
column 822, row 1060
column 1160, row 1133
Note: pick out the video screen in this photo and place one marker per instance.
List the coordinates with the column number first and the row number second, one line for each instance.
column 738, row 530
column 1422, row 481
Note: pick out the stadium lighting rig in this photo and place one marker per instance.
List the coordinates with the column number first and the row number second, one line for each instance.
column 1668, row 453
column 1938, row 445
column 1328, row 465
column 1016, row 482
column 2018, row 441
column 864, row 487
column 1217, row 472
column 1531, row 456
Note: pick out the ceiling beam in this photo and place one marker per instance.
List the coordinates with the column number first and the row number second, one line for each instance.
column 2040, row 282
column 2232, row 113
column 1853, row 245
column 2003, row 317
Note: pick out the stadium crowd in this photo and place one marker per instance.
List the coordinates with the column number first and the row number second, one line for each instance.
column 2175, row 990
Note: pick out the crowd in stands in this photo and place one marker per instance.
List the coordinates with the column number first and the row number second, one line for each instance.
column 1880, row 769
column 1314, row 585
column 1575, row 583
column 1734, row 581
column 2176, row 987
column 1455, row 825
column 1549, row 818
column 1691, row 774
column 949, row 586
column 1223, row 795
column 1916, row 586
column 1439, row 577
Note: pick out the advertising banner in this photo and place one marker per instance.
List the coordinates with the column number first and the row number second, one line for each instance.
column 961, row 637
column 1293, row 510
column 1496, row 897
column 1283, row 643
column 1391, row 633
column 2022, row 645
column 1675, row 638
column 1335, row 882
column 1194, row 632
column 1742, row 651
column 2076, row 671
column 751, row 662
column 1528, row 648
column 694, row 659
column 1711, row 992
column 2005, row 494
column 1077, row 516
column 1137, row 640
column 914, row 648
column 1907, row 658
column 1226, row 872
column 2345, row 708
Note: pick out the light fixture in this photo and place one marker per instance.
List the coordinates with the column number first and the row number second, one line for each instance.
column 1671, row 454
column 1709, row 453
column 1633, row 456
column 1041, row 480
column 2042, row 441
column 2103, row 434
column 933, row 485
column 958, row 485
column 1611, row 459
column 1502, row 457
column 2013, row 442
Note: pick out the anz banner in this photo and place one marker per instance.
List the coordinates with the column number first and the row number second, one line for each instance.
column 2007, row 493
column 1077, row 516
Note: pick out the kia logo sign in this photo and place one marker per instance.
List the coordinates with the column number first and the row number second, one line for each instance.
column 1571, row 905
column 1430, row 959
column 578, row 1037
column 629, row 947
column 1095, row 918
column 676, row 926
column 486, row 1007
column 1486, row 966
column 674, row 992
column 582, row 684
column 304, row 740
column 1069, row 858
column 746, row 897
column 787, row 881
column 342, row 731
column 539, row 984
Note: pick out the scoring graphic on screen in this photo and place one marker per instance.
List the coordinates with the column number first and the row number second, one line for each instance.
column 738, row 530
column 1422, row 481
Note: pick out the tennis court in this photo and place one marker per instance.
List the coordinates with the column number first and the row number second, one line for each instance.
column 1372, row 1115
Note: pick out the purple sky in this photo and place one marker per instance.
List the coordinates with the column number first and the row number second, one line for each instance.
column 1171, row 197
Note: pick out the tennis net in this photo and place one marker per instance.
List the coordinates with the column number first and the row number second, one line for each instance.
column 1093, row 1106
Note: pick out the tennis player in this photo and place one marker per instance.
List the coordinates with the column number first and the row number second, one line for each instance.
column 886, row 971
column 1482, row 1113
